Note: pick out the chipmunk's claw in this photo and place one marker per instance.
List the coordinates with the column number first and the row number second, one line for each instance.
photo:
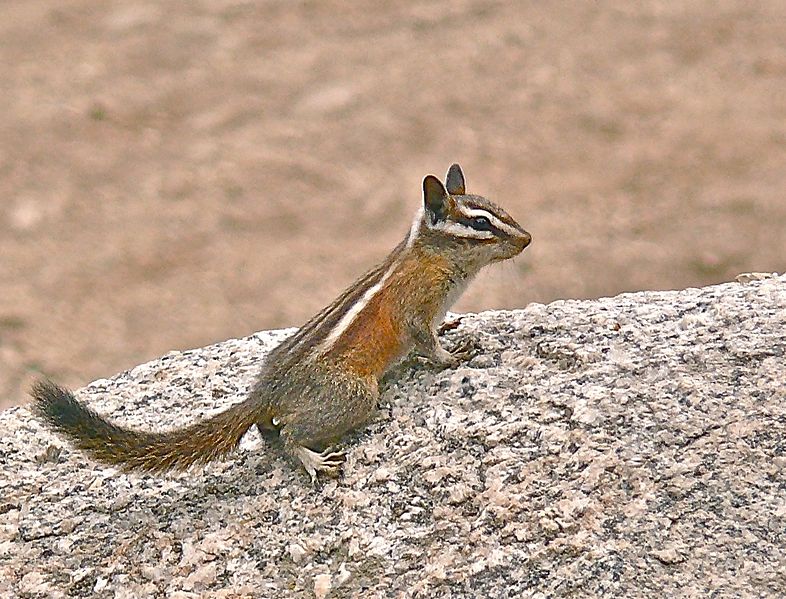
column 332, row 462
column 465, row 350
column 328, row 462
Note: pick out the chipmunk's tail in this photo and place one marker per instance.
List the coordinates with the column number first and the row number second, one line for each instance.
column 139, row 450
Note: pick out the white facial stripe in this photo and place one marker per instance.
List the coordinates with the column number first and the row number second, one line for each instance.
column 494, row 220
column 459, row 230
column 352, row 313
column 470, row 212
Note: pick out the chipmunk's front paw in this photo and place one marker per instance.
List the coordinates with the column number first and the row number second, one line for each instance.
column 465, row 350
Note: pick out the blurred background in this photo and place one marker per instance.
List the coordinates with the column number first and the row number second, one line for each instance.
column 176, row 173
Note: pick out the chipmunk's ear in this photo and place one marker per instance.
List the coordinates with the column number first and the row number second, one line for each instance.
column 435, row 199
column 454, row 180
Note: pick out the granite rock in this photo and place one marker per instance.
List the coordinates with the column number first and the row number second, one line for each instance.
column 625, row 447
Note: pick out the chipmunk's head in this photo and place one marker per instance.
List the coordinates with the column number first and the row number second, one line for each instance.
column 479, row 231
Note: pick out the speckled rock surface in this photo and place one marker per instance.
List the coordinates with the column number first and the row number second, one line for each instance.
column 628, row 447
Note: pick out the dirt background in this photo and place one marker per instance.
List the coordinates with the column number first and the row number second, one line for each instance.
column 177, row 173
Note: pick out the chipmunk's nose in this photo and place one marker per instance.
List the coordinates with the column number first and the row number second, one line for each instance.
column 525, row 239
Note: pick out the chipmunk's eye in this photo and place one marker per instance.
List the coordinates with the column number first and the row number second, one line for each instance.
column 481, row 223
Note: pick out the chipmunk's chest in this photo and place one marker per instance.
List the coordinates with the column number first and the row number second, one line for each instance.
column 439, row 286
column 454, row 292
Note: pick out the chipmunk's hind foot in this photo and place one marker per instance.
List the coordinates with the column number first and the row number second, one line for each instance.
column 328, row 462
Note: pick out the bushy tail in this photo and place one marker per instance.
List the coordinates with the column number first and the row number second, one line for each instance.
column 139, row 450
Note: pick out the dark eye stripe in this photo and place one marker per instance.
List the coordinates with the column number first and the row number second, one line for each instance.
column 480, row 223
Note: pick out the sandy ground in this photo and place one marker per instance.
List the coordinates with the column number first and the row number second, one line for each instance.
column 177, row 173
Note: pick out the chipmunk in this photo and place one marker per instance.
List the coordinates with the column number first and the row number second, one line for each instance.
column 322, row 381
